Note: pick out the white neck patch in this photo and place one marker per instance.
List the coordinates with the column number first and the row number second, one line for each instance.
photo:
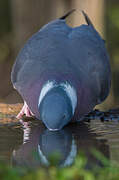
column 47, row 87
column 70, row 91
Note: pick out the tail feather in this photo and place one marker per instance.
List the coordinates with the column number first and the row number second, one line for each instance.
column 67, row 14
column 87, row 19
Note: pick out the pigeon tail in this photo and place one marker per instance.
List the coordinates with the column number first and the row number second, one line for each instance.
column 87, row 19
column 67, row 14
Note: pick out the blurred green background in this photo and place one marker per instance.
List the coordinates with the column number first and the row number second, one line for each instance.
column 19, row 19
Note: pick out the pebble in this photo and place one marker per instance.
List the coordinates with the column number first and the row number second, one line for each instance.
column 110, row 115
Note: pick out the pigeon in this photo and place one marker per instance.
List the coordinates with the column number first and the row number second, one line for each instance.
column 62, row 73
column 62, row 148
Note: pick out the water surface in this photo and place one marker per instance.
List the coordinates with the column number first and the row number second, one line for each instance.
column 35, row 145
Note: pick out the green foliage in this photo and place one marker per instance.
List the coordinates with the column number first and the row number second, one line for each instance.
column 112, row 31
column 78, row 171
column 8, row 173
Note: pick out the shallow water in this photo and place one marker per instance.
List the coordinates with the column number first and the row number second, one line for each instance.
column 35, row 145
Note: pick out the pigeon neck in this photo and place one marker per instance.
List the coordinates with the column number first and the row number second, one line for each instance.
column 69, row 89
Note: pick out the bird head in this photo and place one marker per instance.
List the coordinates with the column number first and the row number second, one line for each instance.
column 56, row 105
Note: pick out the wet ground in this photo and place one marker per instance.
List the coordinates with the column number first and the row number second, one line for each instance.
column 34, row 146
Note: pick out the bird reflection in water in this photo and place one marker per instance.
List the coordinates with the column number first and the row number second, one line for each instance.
column 39, row 145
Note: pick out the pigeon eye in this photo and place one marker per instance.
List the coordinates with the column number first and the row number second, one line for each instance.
column 63, row 116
